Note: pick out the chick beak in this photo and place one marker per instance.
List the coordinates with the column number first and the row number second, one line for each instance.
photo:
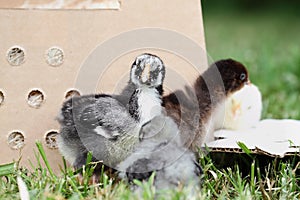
column 248, row 82
column 146, row 74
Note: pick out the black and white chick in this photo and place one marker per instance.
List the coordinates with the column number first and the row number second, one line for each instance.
column 103, row 124
column 161, row 151
column 147, row 74
column 198, row 113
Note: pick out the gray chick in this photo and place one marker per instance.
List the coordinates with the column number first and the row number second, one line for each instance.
column 102, row 123
column 162, row 151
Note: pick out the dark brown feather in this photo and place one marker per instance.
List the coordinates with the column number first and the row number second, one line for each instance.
column 192, row 112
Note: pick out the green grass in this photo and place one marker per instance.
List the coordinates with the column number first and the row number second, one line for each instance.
column 280, row 182
column 268, row 43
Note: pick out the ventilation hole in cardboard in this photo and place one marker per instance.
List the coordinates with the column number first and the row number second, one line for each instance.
column 16, row 140
column 1, row 97
column 35, row 98
column 50, row 139
column 72, row 93
column 15, row 55
column 54, row 56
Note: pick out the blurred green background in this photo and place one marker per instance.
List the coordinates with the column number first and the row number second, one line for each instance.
column 265, row 36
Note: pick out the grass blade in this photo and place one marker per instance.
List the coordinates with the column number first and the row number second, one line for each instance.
column 7, row 169
column 245, row 149
column 43, row 154
column 75, row 187
column 252, row 178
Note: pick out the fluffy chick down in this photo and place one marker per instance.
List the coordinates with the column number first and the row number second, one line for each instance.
column 161, row 151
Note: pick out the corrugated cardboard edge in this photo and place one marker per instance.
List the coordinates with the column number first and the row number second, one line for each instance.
column 257, row 151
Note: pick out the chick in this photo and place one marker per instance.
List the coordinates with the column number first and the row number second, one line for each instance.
column 103, row 126
column 196, row 113
column 102, row 123
column 161, row 151
column 243, row 108
column 147, row 74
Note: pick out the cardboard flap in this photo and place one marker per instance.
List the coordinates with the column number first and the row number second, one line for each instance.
column 270, row 137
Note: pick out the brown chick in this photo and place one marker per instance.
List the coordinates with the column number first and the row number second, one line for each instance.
column 197, row 113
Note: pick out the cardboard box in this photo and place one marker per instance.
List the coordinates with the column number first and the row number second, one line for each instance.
column 49, row 48
column 61, row 4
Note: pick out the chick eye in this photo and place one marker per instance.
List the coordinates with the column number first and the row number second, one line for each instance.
column 243, row 76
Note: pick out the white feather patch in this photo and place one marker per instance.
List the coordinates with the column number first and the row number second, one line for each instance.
column 243, row 108
column 132, row 75
column 160, row 79
column 68, row 152
column 149, row 103
column 100, row 131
